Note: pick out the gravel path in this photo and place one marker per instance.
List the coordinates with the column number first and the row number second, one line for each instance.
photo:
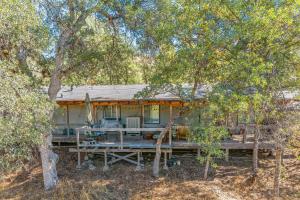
column 222, row 195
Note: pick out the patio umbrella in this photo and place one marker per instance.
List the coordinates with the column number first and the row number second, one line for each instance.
column 88, row 108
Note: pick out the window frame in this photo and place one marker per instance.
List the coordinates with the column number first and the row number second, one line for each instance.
column 112, row 109
column 159, row 115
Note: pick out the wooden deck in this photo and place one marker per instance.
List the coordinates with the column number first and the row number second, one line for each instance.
column 115, row 144
column 233, row 143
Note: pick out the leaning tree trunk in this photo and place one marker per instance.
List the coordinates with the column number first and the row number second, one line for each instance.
column 206, row 167
column 278, row 161
column 158, row 151
column 48, row 157
column 49, row 160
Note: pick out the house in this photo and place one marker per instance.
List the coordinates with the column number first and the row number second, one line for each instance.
column 121, row 122
column 116, row 102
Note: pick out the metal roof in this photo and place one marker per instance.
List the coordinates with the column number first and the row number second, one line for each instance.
column 128, row 92
column 113, row 93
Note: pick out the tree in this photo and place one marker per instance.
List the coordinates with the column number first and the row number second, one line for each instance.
column 24, row 115
column 48, row 61
column 187, row 40
column 24, row 108
column 209, row 136
column 69, row 21
column 22, row 36
column 250, row 47
column 264, row 59
column 112, row 55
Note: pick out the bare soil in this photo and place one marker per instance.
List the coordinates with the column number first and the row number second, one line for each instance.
column 230, row 180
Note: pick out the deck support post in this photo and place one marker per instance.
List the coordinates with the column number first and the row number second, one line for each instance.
column 117, row 114
column 105, row 168
column 226, row 155
column 78, row 152
column 165, row 161
column 138, row 167
column 198, row 152
column 121, row 137
column 142, row 110
column 78, row 161
column 245, row 130
column 170, row 154
column 170, row 131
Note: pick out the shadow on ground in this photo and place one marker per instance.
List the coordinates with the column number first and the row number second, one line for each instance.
column 179, row 182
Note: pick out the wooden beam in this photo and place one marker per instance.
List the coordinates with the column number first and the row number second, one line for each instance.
column 117, row 115
column 143, row 115
column 226, row 155
column 96, row 113
column 125, row 157
column 138, row 167
column 224, row 145
column 61, row 103
column 78, row 152
column 111, row 103
column 174, row 103
column 165, row 161
column 68, row 120
column 121, row 138
column 198, row 152
column 105, row 168
column 117, row 150
column 120, row 129
column 171, row 113
column 170, row 120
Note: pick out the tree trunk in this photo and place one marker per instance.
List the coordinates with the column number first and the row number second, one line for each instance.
column 278, row 157
column 244, row 132
column 48, row 157
column 194, row 89
column 255, row 150
column 55, row 85
column 158, row 151
column 206, row 167
column 49, row 160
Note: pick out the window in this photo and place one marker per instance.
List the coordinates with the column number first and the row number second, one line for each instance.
column 110, row 111
column 151, row 114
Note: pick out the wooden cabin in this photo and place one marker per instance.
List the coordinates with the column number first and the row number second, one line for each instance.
column 115, row 102
column 122, row 123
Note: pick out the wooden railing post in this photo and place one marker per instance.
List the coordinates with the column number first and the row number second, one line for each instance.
column 68, row 121
column 170, row 136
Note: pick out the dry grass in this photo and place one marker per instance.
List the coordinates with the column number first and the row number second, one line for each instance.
column 179, row 182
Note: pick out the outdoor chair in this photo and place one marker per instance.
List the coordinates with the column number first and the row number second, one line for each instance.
column 71, row 131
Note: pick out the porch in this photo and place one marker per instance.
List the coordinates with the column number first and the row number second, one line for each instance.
column 116, row 144
column 123, row 114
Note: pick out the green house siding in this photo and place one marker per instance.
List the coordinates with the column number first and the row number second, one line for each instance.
column 77, row 115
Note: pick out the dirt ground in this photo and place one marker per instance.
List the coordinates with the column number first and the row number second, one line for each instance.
column 231, row 180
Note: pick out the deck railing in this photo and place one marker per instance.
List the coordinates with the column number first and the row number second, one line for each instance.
column 120, row 130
